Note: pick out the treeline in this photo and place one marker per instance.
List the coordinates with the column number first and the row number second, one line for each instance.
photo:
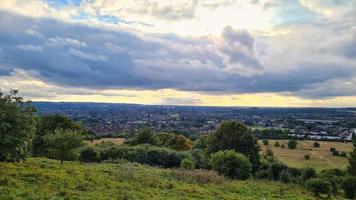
column 232, row 150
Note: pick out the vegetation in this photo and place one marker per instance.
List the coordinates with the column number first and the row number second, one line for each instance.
column 265, row 142
column 319, row 186
column 232, row 135
column 349, row 185
column 46, row 179
column 187, row 164
column 316, row 144
column 351, row 168
column 292, row 144
column 231, row 164
column 63, row 144
column 306, row 157
column 16, row 127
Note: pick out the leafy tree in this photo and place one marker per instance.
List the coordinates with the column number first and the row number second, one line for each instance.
column 16, row 127
column 163, row 139
column 181, row 143
column 308, row 173
column 63, row 144
column 292, row 144
column 187, row 164
column 351, row 168
column 202, row 142
column 319, row 186
column 354, row 139
column 47, row 125
column 231, row 164
column 349, row 187
column 144, row 136
column 232, row 135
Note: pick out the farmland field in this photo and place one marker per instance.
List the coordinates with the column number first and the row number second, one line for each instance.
column 320, row 158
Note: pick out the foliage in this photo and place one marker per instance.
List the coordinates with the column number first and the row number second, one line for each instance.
column 145, row 154
column 276, row 144
column 292, row 144
column 16, row 127
column 351, row 168
column 349, row 187
column 332, row 149
column 232, row 135
column 40, row 178
column 144, row 136
column 231, row 164
column 316, row 144
column 47, row 125
column 181, row 143
column 63, row 144
column 335, row 153
column 187, row 164
column 308, row 173
column 202, row 141
column 89, row 154
column 343, row 154
column 306, row 157
column 265, row 142
column 268, row 152
column 201, row 159
column 319, row 186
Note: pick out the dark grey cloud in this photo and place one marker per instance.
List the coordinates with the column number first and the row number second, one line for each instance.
column 77, row 55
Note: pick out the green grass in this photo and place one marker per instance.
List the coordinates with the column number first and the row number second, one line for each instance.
column 39, row 178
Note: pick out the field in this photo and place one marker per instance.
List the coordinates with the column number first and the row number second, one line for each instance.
column 103, row 140
column 47, row 179
column 320, row 158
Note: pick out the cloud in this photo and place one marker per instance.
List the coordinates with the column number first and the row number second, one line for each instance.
column 238, row 61
column 180, row 101
column 30, row 47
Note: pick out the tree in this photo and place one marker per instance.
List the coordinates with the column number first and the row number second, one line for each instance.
column 265, row 142
column 231, row 164
column 89, row 154
column 351, row 168
column 181, row 143
column 349, row 187
column 16, row 127
column 47, row 125
column 187, row 164
column 354, row 139
column 63, row 144
column 144, row 136
column 292, row 144
column 232, row 135
column 319, row 186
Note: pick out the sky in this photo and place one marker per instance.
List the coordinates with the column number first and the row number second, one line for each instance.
column 282, row 53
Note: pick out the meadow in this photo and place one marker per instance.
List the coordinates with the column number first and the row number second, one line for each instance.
column 320, row 157
column 40, row 178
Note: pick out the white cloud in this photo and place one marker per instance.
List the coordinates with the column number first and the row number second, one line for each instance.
column 87, row 56
column 30, row 47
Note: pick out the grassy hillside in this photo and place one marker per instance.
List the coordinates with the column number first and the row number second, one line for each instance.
column 320, row 158
column 47, row 179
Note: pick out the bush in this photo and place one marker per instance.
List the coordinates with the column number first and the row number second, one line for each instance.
column 332, row 149
column 276, row 144
column 265, row 142
column 335, row 153
column 187, row 164
column 343, row 154
column 89, row 154
column 306, row 157
column 275, row 169
column 351, row 168
column 316, row 144
column 308, row 173
column 292, row 144
column 268, row 152
column 319, row 186
column 283, row 146
column 200, row 158
column 145, row 154
column 349, row 187
column 285, row 176
column 231, row 164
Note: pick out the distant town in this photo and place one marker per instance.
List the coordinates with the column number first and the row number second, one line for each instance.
column 107, row 119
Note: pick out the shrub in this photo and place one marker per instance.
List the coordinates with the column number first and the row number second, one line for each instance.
column 187, row 164
column 285, row 176
column 308, row 173
column 283, row 146
column 275, row 169
column 316, row 144
column 201, row 159
column 268, row 152
column 318, row 186
column 332, row 149
column 89, row 154
column 343, row 154
column 335, row 153
column 292, row 144
column 265, row 142
column 306, row 157
column 276, row 144
column 349, row 187
column 351, row 168
column 145, row 154
column 231, row 164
